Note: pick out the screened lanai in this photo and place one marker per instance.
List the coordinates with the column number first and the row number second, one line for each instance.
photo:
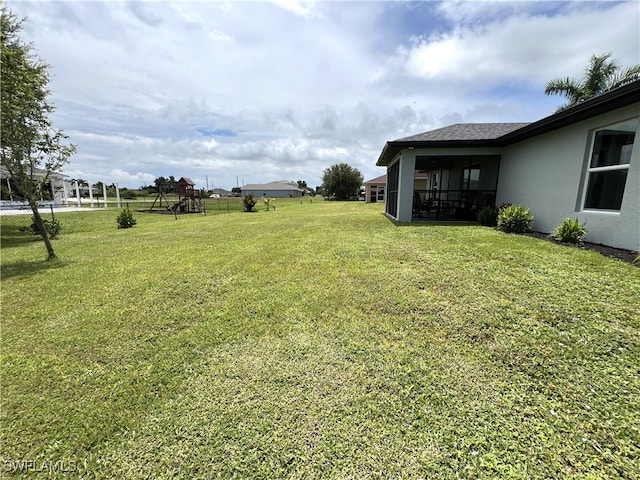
column 454, row 187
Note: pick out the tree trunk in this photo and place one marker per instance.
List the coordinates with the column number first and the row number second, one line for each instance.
column 51, row 255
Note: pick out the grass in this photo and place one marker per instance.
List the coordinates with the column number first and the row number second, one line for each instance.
column 316, row 341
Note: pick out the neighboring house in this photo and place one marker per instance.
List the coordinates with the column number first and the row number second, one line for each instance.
column 59, row 187
column 221, row 192
column 374, row 189
column 279, row 189
column 582, row 162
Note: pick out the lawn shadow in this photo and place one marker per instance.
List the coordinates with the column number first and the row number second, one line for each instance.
column 25, row 269
column 430, row 222
column 16, row 236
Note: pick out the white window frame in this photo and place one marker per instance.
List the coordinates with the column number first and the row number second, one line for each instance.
column 630, row 123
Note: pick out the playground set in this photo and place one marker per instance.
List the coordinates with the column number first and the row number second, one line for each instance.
column 189, row 200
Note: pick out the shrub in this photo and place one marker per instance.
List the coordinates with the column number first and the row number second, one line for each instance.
column 488, row 216
column 248, row 202
column 53, row 227
column 125, row 219
column 514, row 219
column 570, row 231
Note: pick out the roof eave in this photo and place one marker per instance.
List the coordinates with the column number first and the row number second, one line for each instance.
column 393, row 147
column 618, row 98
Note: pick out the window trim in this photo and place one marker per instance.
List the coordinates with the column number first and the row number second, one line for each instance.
column 607, row 168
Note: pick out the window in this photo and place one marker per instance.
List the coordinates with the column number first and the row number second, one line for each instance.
column 608, row 167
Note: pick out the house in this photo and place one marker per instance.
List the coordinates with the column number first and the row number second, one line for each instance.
column 279, row 189
column 374, row 189
column 582, row 161
column 220, row 192
column 57, row 188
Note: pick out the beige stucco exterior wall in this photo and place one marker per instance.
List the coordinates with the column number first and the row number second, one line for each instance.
column 547, row 175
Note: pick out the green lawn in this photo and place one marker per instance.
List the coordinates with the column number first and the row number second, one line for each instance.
column 316, row 341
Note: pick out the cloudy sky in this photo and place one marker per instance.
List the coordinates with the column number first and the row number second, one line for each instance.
column 233, row 92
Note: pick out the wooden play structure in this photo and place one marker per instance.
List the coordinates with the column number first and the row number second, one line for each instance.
column 189, row 200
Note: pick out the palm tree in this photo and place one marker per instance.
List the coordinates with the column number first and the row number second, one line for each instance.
column 601, row 75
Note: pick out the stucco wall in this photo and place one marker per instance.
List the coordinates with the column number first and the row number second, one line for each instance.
column 547, row 175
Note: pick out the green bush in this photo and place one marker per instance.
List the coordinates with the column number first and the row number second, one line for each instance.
column 248, row 202
column 514, row 219
column 570, row 231
column 53, row 227
column 488, row 216
column 125, row 219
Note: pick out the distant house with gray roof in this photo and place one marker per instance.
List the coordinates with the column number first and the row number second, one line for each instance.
column 582, row 161
column 278, row 189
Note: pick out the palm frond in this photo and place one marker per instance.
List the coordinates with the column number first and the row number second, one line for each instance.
column 567, row 87
column 629, row 75
column 601, row 75
column 598, row 73
column 562, row 86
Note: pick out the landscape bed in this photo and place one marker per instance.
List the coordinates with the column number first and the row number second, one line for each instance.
column 319, row 340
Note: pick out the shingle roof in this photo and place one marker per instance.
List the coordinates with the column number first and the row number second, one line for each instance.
column 502, row 134
column 380, row 179
column 465, row 131
column 279, row 185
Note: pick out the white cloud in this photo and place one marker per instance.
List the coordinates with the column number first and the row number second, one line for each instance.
column 124, row 178
column 218, row 36
column 210, row 145
column 463, row 12
column 303, row 8
column 283, row 89
column 521, row 48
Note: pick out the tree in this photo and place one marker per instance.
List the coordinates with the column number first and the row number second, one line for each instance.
column 600, row 76
column 30, row 148
column 342, row 181
column 302, row 185
column 160, row 181
column 147, row 189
